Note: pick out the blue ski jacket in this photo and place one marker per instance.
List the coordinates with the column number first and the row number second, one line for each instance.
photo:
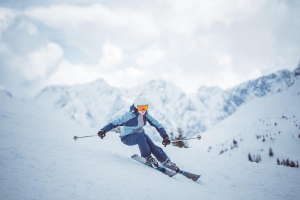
column 133, row 122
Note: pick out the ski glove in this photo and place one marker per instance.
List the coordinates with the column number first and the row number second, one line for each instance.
column 166, row 141
column 101, row 134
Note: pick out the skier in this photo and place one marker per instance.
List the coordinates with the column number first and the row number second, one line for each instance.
column 133, row 133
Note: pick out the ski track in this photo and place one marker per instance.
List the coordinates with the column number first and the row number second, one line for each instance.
column 40, row 160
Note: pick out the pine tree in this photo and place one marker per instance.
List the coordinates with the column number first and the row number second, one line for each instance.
column 287, row 162
column 258, row 158
column 254, row 158
column 283, row 162
column 250, row 158
column 180, row 144
column 271, row 154
column 235, row 143
column 292, row 164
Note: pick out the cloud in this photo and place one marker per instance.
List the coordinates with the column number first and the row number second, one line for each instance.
column 21, row 36
column 67, row 16
column 185, row 17
column 87, row 28
column 191, row 43
column 26, row 56
column 68, row 73
column 6, row 17
column 149, row 56
column 112, row 55
column 37, row 64
column 126, row 78
column 25, row 50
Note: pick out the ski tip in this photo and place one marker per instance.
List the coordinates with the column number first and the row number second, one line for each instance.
column 196, row 178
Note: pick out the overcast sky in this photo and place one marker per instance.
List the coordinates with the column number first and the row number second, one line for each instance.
column 127, row 43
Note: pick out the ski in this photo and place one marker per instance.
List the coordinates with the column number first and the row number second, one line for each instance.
column 160, row 168
column 163, row 170
column 194, row 177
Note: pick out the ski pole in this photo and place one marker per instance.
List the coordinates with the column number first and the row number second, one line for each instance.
column 76, row 137
column 198, row 137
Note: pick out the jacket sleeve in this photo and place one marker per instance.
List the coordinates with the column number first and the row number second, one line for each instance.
column 153, row 122
column 118, row 122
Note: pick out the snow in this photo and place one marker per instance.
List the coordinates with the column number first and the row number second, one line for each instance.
column 275, row 118
column 40, row 160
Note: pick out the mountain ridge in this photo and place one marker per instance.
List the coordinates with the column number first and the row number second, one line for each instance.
column 97, row 103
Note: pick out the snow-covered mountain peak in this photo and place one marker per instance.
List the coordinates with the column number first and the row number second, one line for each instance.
column 263, row 86
column 96, row 83
column 210, row 95
column 205, row 90
column 159, row 92
column 158, row 85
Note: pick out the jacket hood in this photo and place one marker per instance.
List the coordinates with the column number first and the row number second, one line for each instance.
column 132, row 108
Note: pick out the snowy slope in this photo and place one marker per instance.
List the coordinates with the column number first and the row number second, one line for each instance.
column 98, row 103
column 40, row 160
column 264, row 123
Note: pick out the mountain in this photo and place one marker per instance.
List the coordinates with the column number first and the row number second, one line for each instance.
column 98, row 103
column 273, row 83
column 266, row 128
column 40, row 160
column 93, row 103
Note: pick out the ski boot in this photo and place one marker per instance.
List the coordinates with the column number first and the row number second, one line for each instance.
column 151, row 161
column 172, row 166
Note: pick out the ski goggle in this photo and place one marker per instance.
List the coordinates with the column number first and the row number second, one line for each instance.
column 145, row 107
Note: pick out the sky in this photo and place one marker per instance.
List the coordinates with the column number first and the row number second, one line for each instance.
column 127, row 43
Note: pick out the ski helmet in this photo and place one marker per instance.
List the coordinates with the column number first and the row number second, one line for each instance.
column 141, row 101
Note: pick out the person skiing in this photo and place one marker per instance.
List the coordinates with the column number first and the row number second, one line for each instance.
column 133, row 133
